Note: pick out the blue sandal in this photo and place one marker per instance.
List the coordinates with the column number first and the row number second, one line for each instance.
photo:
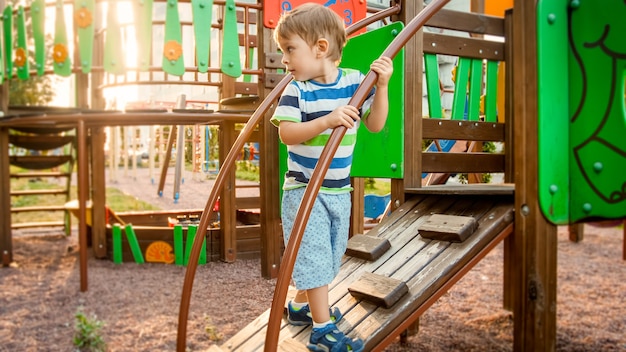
column 330, row 339
column 302, row 316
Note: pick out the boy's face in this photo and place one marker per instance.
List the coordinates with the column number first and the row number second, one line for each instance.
column 300, row 59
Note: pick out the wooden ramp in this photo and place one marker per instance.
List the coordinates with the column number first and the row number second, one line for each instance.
column 428, row 267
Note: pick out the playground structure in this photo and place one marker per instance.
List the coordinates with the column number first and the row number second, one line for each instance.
column 530, row 248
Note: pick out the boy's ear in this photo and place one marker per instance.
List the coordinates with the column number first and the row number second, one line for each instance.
column 322, row 46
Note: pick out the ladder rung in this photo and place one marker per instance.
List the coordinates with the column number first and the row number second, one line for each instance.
column 36, row 192
column 38, row 208
column 41, row 174
column 27, row 225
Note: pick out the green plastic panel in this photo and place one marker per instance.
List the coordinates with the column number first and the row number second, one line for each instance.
column 231, row 61
column 23, row 69
column 202, row 16
column 84, row 10
column 376, row 154
column 491, row 91
column 582, row 114
column 7, row 21
column 113, row 54
column 173, row 34
column 475, row 90
column 143, row 28
column 62, row 68
column 433, row 88
column 38, row 15
column 459, row 99
column 1, row 60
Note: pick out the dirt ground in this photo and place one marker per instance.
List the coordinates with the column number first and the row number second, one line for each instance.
column 139, row 304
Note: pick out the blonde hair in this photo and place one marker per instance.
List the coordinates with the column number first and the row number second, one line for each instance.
column 311, row 21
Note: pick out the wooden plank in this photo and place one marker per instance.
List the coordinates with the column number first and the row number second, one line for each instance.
column 462, row 162
column 451, row 228
column 467, row 189
column 463, row 130
column 6, row 241
column 464, row 47
column 34, row 208
column 40, row 174
column 378, row 289
column 98, row 182
column 367, row 247
column 39, row 162
column 469, row 22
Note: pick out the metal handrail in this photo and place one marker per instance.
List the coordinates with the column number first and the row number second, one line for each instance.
column 226, row 168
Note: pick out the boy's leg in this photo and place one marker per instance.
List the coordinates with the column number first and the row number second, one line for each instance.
column 318, row 303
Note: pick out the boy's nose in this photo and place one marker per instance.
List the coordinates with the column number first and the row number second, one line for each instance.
column 284, row 60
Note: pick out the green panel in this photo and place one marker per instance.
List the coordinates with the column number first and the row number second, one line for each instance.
column 379, row 154
column 179, row 253
column 7, row 18
column 84, row 18
column 476, row 84
column 582, row 149
column 1, row 61
column 113, row 54
column 62, row 65
column 459, row 99
column 116, row 235
column 375, row 154
column 231, row 62
column 202, row 16
column 553, row 136
column 431, row 67
column 597, row 68
column 21, row 49
column 175, row 64
column 143, row 30
column 38, row 14
column 134, row 244
column 491, row 91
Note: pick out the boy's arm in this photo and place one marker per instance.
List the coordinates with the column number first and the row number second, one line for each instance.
column 377, row 117
column 299, row 132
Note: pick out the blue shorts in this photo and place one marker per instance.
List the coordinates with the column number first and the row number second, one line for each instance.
column 325, row 239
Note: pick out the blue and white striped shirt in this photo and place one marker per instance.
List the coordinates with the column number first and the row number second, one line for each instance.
column 307, row 100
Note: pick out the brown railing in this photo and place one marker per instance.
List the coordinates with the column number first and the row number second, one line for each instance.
column 304, row 211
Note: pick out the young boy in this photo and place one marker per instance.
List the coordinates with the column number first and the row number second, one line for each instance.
column 312, row 38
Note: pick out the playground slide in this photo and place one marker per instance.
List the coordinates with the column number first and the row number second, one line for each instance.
column 427, row 267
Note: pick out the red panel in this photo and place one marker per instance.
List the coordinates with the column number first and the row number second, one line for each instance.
column 350, row 10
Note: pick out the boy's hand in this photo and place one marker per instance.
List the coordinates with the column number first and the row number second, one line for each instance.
column 383, row 66
column 345, row 115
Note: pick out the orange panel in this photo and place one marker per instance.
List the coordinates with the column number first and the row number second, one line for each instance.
column 497, row 7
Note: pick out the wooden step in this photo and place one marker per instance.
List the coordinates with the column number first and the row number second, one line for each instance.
column 39, row 192
column 41, row 174
column 41, row 130
column 32, row 225
column 40, row 142
column 38, row 208
column 39, row 162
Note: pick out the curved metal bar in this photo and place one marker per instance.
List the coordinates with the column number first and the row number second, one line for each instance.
column 227, row 166
column 315, row 182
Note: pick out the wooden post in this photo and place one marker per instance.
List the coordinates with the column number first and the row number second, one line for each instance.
column 358, row 206
column 6, row 241
column 270, row 177
column 534, row 247
column 228, row 206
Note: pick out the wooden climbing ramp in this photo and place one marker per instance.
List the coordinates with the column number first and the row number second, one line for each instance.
column 412, row 273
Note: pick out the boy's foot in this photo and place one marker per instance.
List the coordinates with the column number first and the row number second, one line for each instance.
column 303, row 315
column 329, row 338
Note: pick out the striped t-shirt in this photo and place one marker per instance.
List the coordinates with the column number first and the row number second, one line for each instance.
column 307, row 100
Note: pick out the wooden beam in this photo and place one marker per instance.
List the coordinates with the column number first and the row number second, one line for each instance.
column 534, row 247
